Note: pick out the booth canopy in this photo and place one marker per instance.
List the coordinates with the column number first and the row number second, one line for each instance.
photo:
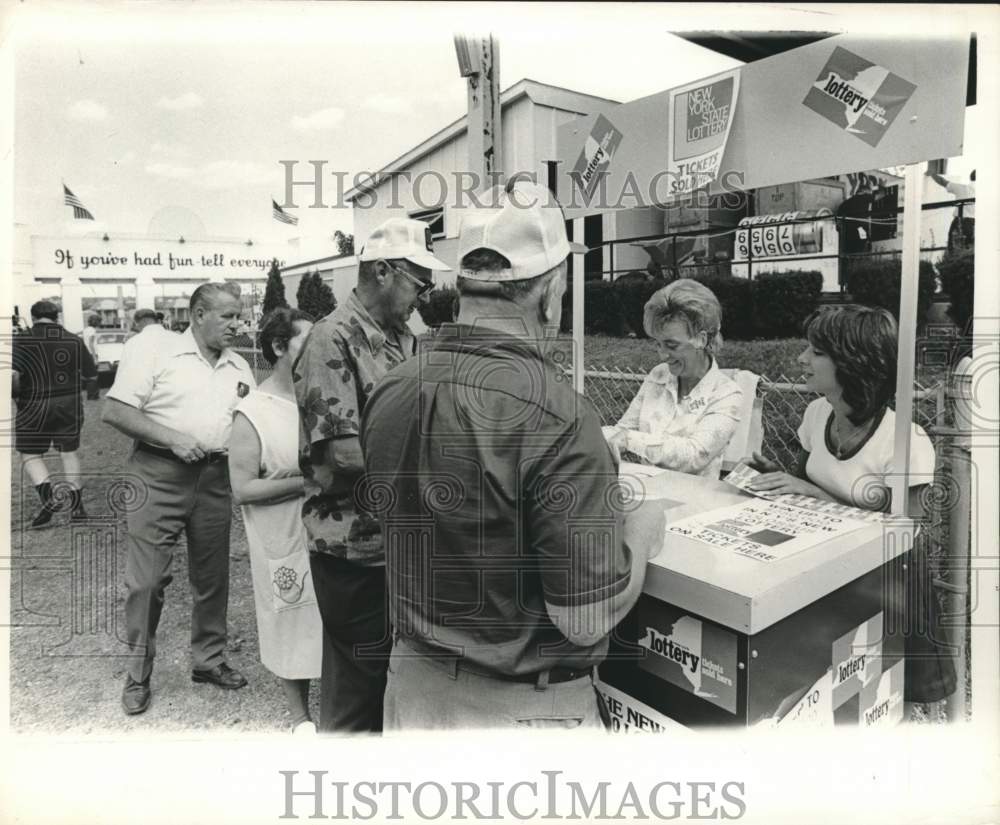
column 795, row 118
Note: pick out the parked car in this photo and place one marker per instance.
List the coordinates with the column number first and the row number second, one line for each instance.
column 108, row 345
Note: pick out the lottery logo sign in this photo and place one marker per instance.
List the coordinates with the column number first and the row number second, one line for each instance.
column 598, row 151
column 701, row 115
column 857, row 659
column 690, row 654
column 857, row 95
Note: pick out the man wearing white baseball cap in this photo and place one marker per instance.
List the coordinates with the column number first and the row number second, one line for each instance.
column 503, row 533
column 346, row 354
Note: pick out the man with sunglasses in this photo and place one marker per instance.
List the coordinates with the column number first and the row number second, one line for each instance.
column 344, row 357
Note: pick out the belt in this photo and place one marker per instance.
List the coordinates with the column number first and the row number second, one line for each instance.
column 540, row 679
column 163, row 452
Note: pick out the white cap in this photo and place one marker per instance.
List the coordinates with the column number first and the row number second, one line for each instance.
column 399, row 238
column 526, row 225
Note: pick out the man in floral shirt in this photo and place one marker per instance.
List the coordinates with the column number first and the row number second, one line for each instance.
column 344, row 357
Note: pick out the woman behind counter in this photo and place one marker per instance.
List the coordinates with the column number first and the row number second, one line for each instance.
column 267, row 483
column 686, row 411
column 847, row 438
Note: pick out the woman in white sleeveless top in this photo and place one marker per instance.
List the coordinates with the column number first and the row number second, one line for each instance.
column 267, row 483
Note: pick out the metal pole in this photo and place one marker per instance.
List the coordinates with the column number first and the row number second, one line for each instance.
column 899, row 483
column 578, row 282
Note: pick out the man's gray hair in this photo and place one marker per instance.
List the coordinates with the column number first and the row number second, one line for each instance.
column 206, row 295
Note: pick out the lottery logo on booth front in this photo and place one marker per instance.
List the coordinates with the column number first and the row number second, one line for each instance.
column 858, row 96
column 688, row 653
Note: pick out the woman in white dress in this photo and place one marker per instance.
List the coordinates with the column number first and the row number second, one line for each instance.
column 687, row 410
column 267, row 483
column 847, row 455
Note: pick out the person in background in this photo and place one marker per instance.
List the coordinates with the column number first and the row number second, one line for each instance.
column 267, row 484
column 501, row 597
column 47, row 365
column 89, row 336
column 686, row 410
column 346, row 354
column 963, row 227
column 847, row 455
column 145, row 321
column 90, row 333
column 175, row 396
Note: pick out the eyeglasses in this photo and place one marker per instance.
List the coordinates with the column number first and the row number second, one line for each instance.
column 423, row 287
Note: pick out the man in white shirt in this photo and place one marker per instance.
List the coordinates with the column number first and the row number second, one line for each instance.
column 175, row 396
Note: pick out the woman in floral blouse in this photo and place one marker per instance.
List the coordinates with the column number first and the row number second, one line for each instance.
column 686, row 410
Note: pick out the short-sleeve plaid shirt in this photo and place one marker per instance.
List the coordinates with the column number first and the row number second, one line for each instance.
column 344, row 357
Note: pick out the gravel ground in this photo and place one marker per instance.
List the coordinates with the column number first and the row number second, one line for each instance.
column 67, row 663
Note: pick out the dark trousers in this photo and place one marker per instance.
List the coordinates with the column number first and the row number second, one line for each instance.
column 194, row 499
column 357, row 641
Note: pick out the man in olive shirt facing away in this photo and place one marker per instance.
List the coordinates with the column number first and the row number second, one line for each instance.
column 498, row 497
column 342, row 360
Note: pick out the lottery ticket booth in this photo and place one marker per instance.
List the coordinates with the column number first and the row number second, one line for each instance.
column 757, row 612
column 739, row 632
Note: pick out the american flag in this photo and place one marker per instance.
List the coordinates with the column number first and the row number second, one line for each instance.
column 79, row 210
column 281, row 215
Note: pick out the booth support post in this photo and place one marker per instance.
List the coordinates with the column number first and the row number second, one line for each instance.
column 899, row 483
column 578, row 281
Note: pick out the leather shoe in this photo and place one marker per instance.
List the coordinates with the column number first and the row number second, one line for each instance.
column 135, row 696
column 222, row 676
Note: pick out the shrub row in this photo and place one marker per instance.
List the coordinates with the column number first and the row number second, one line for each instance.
column 876, row 282
column 773, row 305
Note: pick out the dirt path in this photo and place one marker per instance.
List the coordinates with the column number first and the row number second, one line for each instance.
column 67, row 597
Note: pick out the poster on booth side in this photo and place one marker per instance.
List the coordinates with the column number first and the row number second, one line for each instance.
column 857, row 659
column 598, row 151
column 815, row 707
column 881, row 701
column 629, row 715
column 690, row 654
column 701, row 115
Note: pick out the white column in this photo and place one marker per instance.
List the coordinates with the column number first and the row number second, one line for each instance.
column 71, row 293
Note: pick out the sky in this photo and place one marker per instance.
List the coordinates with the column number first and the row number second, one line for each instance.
column 151, row 113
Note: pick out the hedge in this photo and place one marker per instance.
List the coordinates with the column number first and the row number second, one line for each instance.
column 734, row 296
column 441, row 306
column 634, row 290
column 876, row 283
column 957, row 271
column 602, row 309
column 783, row 300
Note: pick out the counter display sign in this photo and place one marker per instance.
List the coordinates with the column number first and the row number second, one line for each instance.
column 701, row 115
column 857, row 95
column 598, row 151
column 690, row 654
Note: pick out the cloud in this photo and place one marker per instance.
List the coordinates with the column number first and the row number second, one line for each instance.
column 168, row 149
column 87, row 110
column 219, row 174
column 318, row 121
column 188, row 100
column 235, row 174
column 388, row 104
column 170, row 170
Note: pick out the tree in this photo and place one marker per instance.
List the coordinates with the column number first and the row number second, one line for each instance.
column 274, row 293
column 314, row 296
column 344, row 242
